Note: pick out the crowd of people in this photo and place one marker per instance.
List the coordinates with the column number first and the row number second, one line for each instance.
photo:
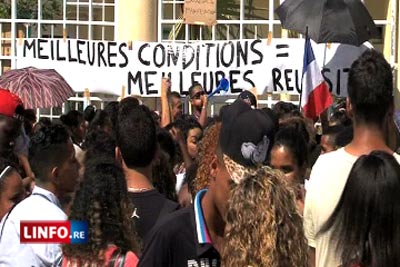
column 248, row 187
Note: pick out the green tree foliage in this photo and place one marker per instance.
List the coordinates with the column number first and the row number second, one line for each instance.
column 28, row 9
column 5, row 9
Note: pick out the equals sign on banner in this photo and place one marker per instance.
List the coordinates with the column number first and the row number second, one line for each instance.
column 282, row 53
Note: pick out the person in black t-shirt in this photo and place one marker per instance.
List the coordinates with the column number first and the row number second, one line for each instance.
column 194, row 236
column 182, row 238
column 136, row 149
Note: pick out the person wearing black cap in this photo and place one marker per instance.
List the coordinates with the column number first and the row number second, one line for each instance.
column 194, row 236
column 249, row 98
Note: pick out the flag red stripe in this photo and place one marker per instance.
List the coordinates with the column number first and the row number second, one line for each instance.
column 319, row 100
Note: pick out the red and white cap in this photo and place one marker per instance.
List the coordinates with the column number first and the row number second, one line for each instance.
column 9, row 103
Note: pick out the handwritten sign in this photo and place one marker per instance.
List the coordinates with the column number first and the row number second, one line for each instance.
column 106, row 67
column 201, row 12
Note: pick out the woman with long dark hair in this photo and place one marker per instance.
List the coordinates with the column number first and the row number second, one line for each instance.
column 365, row 224
column 102, row 201
column 289, row 154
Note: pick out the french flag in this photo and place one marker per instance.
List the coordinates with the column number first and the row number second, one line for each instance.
column 315, row 96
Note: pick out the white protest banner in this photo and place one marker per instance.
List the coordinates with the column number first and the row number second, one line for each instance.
column 106, row 67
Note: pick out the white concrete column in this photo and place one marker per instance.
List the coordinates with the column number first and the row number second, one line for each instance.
column 387, row 38
column 137, row 20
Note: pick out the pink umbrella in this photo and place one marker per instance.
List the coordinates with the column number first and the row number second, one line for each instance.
column 37, row 88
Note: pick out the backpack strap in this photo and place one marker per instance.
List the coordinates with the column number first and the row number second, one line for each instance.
column 122, row 259
column 117, row 258
column 58, row 262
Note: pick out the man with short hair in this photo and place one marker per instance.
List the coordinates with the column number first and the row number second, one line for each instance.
column 194, row 236
column 370, row 103
column 176, row 105
column 199, row 103
column 52, row 157
column 171, row 103
column 136, row 150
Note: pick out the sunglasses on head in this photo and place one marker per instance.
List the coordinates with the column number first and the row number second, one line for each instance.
column 4, row 172
column 197, row 95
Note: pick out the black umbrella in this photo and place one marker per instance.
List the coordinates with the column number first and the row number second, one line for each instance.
column 329, row 21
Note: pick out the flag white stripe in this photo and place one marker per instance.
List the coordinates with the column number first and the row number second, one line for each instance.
column 312, row 79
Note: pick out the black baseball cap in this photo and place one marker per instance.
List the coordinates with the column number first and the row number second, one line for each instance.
column 249, row 98
column 246, row 137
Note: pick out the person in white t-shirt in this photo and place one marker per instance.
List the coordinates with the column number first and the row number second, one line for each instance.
column 365, row 223
column 52, row 157
column 370, row 104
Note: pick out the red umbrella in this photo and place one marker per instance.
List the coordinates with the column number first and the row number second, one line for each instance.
column 37, row 88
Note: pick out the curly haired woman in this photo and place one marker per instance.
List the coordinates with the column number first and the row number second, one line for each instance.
column 207, row 147
column 263, row 225
column 102, row 201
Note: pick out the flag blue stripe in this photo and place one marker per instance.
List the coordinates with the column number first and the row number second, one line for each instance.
column 308, row 55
